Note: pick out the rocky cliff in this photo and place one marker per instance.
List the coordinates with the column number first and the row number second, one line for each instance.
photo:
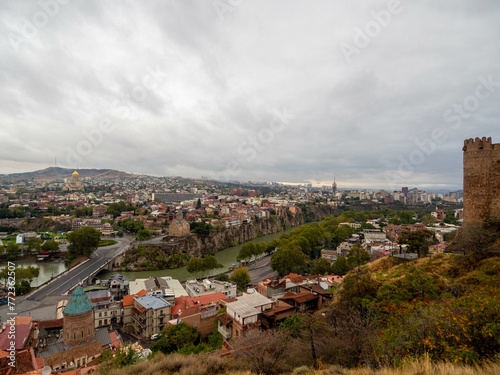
column 175, row 252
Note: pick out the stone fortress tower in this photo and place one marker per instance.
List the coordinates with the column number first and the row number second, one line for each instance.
column 481, row 180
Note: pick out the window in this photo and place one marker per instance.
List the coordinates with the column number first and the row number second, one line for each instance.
column 100, row 314
column 82, row 333
column 74, row 335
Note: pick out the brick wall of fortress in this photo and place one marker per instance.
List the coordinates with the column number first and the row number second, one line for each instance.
column 481, row 180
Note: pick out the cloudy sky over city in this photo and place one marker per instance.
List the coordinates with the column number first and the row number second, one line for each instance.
column 380, row 94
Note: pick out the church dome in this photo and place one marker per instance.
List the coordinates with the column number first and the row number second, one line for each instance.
column 78, row 304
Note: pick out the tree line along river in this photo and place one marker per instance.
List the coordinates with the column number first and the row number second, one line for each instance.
column 226, row 257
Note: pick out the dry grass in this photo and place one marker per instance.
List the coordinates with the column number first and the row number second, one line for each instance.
column 176, row 364
column 421, row 367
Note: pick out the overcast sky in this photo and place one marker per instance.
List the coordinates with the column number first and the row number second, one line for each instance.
column 250, row 90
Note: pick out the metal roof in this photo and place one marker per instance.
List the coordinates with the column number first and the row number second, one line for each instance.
column 152, row 302
column 79, row 302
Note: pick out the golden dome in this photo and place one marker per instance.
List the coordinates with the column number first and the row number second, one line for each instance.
column 75, row 173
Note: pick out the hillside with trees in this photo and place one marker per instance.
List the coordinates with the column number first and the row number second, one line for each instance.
column 432, row 315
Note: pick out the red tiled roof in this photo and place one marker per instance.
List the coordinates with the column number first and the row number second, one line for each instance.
column 115, row 341
column 22, row 334
column 208, row 298
column 190, row 311
column 23, row 320
column 180, row 305
column 129, row 299
column 299, row 297
column 55, row 323
column 100, row 299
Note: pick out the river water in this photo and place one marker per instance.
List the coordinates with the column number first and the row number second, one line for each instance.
column 226, row 257
column 47, row 269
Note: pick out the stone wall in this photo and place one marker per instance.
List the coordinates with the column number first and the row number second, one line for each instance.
column 78, row 328
column 481, row 180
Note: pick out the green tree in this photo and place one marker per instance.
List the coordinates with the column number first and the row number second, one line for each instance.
column 319, row 266
column 23, row 275
column 210, row 263
column 271, row 246
column 194, row 265
column 418, row 242
column 288, row 259
column 175, row 337
column 428, row 220
column 406, row 217
column 357, row 256
column 203, row 229
column 241, row 277
column 340, row 267
column 247, row 251
column 84, row 241
column 12, row 250
column 198, row 204
column 143, row 234
column 222, row 277
column 50, row 246
column 34, row 244
column 292, row 325
column 122, row 358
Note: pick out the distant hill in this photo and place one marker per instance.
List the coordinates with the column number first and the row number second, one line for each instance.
column 56, row 173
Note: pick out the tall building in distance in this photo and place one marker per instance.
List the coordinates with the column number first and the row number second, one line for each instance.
column 334, row 186
column 481, row 180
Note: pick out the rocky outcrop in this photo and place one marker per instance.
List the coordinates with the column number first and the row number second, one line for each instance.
column 174, row 252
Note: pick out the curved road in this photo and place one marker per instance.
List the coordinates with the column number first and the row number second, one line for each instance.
column 62, row 284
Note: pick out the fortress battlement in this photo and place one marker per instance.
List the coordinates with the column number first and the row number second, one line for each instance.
column 484, row 143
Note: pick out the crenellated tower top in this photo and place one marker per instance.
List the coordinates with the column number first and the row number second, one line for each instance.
column 484, row 143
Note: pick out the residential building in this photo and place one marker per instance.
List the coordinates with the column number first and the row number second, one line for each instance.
column 167, row 287
column 243, row 315
column 329, row 255
column 82, row 223
column 106, row 310
column 197, row 288
column 198, row 312
column 150, row 314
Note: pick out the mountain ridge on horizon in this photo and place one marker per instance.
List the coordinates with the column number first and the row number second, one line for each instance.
column 54, row 173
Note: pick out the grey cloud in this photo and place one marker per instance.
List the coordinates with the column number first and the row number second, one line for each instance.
column 217, row 82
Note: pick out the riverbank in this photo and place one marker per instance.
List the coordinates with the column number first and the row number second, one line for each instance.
column 174, row 252
column 226, row 257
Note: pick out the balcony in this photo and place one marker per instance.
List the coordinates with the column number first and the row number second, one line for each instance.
column 224, row 333
column 141, row 322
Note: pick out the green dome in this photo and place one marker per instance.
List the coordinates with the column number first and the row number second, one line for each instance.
column 79, row 303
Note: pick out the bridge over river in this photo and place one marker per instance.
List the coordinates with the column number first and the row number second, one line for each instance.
column 63, row 283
